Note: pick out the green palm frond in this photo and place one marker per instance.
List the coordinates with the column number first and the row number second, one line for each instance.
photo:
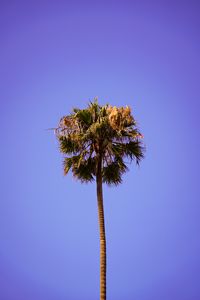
column 133, row 150
column 68, row 145
column 112, row 173
column 85, row 170
column 69, row 162
column 84, row 117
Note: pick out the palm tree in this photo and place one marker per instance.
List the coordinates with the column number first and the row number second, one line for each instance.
column 95, row 141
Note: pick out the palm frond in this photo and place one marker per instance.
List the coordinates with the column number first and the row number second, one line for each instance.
column 133, row 150
column 112, row 173
column 69, row 162
column 68, row 145
column 84, row 117
column 85, row 170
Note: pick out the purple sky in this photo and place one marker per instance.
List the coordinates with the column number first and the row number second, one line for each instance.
column 56, row 55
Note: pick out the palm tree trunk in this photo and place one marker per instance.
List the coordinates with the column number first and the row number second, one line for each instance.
column 102, row 233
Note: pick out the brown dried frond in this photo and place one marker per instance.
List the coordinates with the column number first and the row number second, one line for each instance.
column 118, row 117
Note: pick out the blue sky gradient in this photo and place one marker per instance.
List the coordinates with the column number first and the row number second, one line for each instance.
column 56, row 55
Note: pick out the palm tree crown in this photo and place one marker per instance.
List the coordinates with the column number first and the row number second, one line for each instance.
column 99, row 134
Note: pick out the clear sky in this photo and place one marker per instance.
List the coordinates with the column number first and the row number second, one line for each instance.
column 56, row 55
